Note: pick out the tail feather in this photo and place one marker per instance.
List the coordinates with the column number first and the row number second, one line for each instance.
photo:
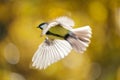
column 77, row 45
column 85, row 29
column 81, row 40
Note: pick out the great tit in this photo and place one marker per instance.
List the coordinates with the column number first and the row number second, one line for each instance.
column 60, row 39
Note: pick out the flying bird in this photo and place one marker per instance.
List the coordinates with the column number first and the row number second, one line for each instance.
column 60, row 39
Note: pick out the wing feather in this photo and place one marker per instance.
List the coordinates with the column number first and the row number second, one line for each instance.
column 36, row 53
column 35, row 62
column 67, row 48
column 56, row 53
column 36, row 56
column 49, row 54
column 63, row 49
column 63, row 21
column 39, row 58
column 45, row 63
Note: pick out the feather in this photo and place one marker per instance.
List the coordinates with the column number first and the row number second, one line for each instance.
column 48, row 54
column 63, row 21
column 82, row 30
column 66, row 22
column 51, row 24
column 80, row 38
column 37, row 55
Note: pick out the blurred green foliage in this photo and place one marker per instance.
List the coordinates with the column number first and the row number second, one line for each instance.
column 19, row 39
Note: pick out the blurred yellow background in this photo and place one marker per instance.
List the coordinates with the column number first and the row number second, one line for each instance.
column 19, row 39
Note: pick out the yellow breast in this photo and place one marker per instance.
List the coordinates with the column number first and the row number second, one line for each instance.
column 59, row 31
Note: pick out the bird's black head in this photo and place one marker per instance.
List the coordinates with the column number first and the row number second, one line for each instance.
column 42, row 25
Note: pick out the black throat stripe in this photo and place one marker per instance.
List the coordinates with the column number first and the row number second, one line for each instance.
column 57, row 35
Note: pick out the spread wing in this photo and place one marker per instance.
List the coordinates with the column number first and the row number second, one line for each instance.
column 50, row 52
column 64, row 21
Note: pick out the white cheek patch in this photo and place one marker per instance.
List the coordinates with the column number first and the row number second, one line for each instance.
column 44, row 26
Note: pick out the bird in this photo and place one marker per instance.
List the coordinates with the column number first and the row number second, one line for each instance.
column 60, row 39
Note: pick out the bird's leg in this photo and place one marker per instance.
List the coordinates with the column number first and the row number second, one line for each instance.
column 48, row 41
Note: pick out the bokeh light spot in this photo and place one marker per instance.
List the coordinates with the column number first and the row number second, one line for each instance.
column 16, row 76
column 11, row 53
column 95, row 71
